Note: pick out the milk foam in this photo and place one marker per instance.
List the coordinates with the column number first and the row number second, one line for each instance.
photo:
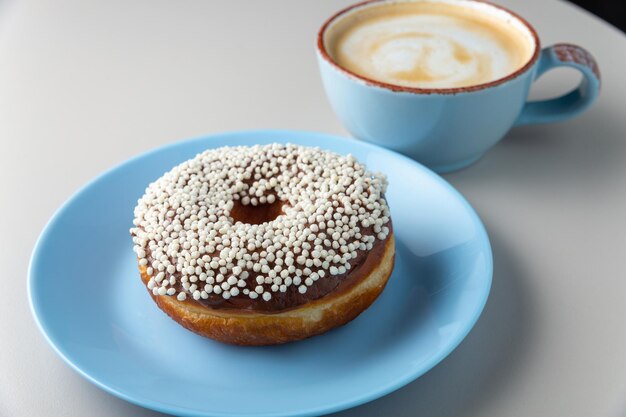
column 429, row 45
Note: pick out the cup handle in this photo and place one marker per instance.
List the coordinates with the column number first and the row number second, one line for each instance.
column 572, row 103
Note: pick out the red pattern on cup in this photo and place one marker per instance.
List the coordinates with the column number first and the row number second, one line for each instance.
column 566, row 52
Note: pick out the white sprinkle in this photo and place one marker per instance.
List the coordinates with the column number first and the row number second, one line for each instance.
column 334, row 209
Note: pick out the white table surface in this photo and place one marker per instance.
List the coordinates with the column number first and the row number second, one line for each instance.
column 85, row 85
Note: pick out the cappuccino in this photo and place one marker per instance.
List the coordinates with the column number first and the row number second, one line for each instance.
column 429, row 43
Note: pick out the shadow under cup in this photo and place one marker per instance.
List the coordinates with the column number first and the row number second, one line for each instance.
column 450, row 128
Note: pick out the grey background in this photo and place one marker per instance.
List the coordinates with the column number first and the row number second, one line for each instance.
column 85, row 85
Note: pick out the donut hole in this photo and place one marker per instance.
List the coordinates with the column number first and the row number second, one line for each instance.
column 261, row 213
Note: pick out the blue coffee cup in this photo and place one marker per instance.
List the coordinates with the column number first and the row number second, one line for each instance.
column 450, row 128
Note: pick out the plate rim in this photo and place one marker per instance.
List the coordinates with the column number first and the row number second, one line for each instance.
column 320, row 410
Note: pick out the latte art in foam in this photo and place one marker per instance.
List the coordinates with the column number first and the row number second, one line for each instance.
column 427, row 45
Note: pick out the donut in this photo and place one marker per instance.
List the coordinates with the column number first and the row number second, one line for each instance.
column 261, row 245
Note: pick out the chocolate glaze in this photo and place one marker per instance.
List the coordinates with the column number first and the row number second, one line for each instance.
column 360, row 267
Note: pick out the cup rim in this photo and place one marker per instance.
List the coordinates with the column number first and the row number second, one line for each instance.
column 321, row 48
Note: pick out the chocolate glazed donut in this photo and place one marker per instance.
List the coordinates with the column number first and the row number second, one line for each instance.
column 266, row 244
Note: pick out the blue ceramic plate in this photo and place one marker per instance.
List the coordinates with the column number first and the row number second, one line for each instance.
column 89, row 302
